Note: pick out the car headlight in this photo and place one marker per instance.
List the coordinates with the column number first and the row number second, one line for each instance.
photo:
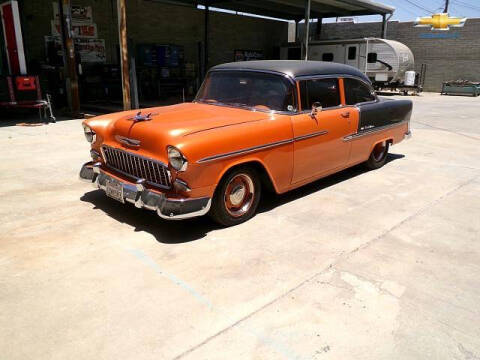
column 176, row 159
column 89, row 134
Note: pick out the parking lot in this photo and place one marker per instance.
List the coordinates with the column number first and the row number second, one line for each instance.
column 360, row 265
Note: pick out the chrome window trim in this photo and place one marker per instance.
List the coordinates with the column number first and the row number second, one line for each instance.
column 251, row 108
column 308, row 111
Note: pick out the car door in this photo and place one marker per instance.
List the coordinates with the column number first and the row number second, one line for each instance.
column 318, row 138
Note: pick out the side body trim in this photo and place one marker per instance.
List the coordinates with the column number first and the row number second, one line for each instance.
column 260, row 147
column 373, row 130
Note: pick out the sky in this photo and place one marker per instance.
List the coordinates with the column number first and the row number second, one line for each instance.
column 410, row 10
column 407, row 10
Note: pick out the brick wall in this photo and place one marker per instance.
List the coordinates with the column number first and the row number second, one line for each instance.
column 446, row 59
column 154, row 22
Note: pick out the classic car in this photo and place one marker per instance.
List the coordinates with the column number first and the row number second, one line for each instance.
column 253, row 126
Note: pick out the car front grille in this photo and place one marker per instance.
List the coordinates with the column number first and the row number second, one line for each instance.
column 139, row 167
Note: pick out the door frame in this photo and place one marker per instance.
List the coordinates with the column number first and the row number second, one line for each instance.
column 17, row 28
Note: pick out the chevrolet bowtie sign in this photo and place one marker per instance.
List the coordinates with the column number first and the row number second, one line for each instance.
column 440, row 22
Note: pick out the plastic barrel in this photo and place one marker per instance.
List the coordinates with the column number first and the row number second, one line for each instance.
column 409, row 78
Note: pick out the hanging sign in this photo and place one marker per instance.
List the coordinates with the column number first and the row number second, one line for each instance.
column 440, row 22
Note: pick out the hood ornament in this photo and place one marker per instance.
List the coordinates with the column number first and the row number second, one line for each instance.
column 139, row 117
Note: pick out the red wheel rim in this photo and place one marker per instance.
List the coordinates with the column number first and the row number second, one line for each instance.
column 379, row 151
column 239, row 195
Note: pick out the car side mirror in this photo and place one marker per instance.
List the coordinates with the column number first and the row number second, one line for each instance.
column 316, row 107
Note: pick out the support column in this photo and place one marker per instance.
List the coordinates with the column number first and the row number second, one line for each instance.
column 73, row 97
column 384, row 26
column 205, row 39
column 123, row 42
column 318, row 34
column 307, row 26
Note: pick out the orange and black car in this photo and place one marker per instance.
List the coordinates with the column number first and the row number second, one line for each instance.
column 253, row 125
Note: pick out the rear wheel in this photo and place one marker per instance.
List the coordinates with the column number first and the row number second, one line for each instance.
column 378, row 156
column 237, row 197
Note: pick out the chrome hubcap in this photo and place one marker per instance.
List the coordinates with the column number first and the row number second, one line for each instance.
column 239, row 195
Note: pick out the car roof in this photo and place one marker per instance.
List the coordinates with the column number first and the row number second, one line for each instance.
column 294, row 68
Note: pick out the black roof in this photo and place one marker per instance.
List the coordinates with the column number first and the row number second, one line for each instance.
column 294, row 68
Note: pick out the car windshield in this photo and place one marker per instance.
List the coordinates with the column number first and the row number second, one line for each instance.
column 262, row 91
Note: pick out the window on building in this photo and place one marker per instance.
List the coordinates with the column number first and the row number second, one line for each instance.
column 327, row 57
column 352, row 53
column 372, row 58
column 324, row 91
column 357, row 92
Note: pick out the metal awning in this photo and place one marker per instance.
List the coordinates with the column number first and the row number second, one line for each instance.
column 295, row 9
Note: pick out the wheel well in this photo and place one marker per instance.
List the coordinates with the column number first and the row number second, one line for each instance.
column 265, row 179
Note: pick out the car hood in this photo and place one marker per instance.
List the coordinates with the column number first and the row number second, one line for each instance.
column 170, row 125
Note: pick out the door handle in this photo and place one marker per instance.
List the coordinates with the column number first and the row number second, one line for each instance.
column 345, row 114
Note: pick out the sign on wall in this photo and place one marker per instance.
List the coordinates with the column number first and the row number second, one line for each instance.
column 247, row 55
column 80, row 14
column 91, row 50
column 442, row 35
column 88, row 31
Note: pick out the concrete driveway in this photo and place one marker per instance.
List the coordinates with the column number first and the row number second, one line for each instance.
column 360, row 265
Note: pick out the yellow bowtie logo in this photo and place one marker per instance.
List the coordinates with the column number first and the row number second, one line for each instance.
column 440, row 22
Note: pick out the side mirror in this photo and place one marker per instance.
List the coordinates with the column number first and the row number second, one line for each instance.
column 316, row 107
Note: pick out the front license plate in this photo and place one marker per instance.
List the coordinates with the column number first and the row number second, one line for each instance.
column 114, row 190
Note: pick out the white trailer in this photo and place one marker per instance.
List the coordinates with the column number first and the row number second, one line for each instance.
column 386, row 62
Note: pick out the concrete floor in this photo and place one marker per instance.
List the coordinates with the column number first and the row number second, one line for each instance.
column 361, row 265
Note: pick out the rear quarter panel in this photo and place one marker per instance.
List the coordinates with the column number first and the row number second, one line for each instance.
column 385, row 119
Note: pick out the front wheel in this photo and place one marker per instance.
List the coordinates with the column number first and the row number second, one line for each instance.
column 378, row 157
column 237, row 197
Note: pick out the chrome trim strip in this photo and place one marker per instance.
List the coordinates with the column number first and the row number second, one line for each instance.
column 127, row 141
column 373, row 130
column 261, row 147
column 304, row 137
column 244, row 151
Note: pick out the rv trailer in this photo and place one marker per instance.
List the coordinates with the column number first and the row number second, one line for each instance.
column 389, row 64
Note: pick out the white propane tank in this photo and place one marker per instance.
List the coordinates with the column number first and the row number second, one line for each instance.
column 409, row 78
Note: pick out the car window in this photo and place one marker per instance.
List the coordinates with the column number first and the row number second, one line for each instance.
column 324, row 91
column 352, row 53
column 357, row 92
column 327, row 57
column 257, row 90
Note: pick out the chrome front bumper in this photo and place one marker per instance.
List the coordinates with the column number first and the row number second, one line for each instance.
column 166, row 208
